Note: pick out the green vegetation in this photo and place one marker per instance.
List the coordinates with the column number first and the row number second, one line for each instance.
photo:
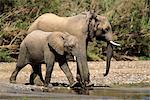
column 131, row 23
column 4, row 56
column 130, row 20
column 144, row 58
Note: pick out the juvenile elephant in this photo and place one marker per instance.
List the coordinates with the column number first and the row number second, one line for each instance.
column 84, row 27
column 45, row 47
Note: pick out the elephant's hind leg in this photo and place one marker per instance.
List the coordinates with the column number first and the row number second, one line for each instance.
column 15, row 72
column 36, row 71
column 22, row 62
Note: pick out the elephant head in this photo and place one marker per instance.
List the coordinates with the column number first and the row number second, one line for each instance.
column 63, row 43
column 100, row 28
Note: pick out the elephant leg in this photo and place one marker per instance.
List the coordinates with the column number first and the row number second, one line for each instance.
column 15, row 72
column 22, row 62
column 36, row 71
column 65, row 68
column 78, row 77
column 82, row 64
column 49, row 60
column 49, row 69
column 39, row 71
column 32, row 77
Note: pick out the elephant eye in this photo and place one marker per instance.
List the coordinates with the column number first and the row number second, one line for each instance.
column 106, row 29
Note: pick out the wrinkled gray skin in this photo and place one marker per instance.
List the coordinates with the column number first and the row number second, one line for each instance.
column 84, row 27
column 45, row 47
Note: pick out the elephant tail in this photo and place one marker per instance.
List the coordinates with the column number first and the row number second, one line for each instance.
column 22, row 58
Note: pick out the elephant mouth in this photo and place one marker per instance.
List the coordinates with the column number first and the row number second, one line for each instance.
column 101, row 37
column 104, row 39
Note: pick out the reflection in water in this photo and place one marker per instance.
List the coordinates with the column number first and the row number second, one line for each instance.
column 63, row 92
column 128, row 93
column 82, row 91
column 108, row 93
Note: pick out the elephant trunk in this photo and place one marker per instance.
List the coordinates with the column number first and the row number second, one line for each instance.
column 109, row 56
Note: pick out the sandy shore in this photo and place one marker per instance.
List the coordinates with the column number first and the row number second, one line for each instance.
column 121, row 72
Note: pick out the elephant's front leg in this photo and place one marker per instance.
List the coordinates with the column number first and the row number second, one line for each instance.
column 78, row 75
column 82, row 65
column 49, row 58
column 49, row 69
column 65, row 68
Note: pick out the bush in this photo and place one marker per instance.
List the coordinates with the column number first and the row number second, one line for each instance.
column 4, row 56
column 130, row 22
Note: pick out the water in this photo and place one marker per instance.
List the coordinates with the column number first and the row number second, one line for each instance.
column 95, row 93
column 112, row 93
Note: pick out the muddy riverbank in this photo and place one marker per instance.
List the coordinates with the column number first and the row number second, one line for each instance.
column 123, row 76
column 22, row 92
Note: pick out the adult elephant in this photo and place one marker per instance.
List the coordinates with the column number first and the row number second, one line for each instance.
column 84, row 26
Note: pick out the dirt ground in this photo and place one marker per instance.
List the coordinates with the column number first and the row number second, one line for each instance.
column 121, row 72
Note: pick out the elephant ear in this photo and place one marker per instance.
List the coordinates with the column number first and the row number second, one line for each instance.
column 71, row 44
column 91, row 28
column 56, row 41
column 103, row 21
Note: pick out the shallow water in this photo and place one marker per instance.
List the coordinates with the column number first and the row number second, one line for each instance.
column 126, row 93
column 94, row 93
column 113, row 93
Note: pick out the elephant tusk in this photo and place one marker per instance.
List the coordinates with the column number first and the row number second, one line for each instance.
column 113, row 43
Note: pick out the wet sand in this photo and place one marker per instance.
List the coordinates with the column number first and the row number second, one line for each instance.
column 121, row 81
column 22, row 92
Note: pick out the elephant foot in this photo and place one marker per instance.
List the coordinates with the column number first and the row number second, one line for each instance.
column 78, row 84
column 29, row 83
column 75, row 84
column 78, row 78
column 37, row 81
column 12, row 81
column 49, row 85
column 45, row 89
column 89, row 84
